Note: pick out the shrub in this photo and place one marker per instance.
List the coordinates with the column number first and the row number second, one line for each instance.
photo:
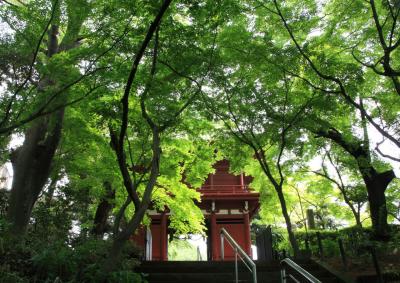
column 57, row 260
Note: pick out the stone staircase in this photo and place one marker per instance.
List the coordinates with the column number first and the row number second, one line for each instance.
column 221, row 272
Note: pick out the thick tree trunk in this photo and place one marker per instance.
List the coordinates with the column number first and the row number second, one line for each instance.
column 103, row 211
column 292, row 238
column 31, row 163
column 376, row 184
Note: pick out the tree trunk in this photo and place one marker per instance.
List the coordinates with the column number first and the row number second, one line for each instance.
column 376, row 184
column 278, row 188
column 119, row 242
column 292, row 238
column 357, row 218
column 120, row 216
column 122, row 237
column 311, row 218
column 31, row 163
column 351, row 206
column 103, row 211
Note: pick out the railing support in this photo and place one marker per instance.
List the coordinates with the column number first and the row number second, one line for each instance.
column 283, row 275
column 236, row 266
column 222, row 247
column 239, row 253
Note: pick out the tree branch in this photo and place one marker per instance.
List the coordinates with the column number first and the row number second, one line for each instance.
column 134, row 68
column 378, row 25
column 342, row 89
column 30, row 70
column 385, row 155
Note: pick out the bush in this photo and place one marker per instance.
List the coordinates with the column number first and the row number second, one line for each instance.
column 55, row 261
column 80, row 262
column 356, row 241
column 8, row 277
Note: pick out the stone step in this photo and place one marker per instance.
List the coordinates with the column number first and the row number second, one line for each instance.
column 221, row 272
column 204, row 268
column 212, row 277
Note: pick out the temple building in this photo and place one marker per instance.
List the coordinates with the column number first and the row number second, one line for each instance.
column 226, row 202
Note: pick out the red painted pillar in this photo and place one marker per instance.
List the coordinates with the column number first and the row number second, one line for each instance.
column 214, row 237
column 163, row 238
column 247, row 238
column 242, row 181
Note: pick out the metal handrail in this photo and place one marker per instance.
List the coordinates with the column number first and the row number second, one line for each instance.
column 299, row 270
column 248, row 262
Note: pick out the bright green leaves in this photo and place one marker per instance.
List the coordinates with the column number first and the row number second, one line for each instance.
column 77, row 12
column 185, row 216
column 256, row 88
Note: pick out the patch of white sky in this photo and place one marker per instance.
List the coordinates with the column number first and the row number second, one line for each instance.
column 6, row 32
column 387, row 147
column 16, row 141
column 183, row 16
column 317, row 31
column 251, row 25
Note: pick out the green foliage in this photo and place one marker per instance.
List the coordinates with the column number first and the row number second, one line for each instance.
column 357, row 242
column 54, row 261
column 77, row 261
column 250, row 90
column 4, row 196
column 181, row 250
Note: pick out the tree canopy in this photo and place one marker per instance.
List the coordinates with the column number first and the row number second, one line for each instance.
column 118, row 106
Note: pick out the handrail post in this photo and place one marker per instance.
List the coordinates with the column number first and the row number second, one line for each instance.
column 283, row 274
column 222, row 247
column 239, row 252
column 254, row 274
column 236, row 266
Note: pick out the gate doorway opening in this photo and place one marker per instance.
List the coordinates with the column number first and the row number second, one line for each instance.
column 187, row 248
